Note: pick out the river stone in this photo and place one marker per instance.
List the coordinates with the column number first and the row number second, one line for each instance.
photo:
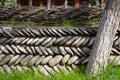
column 57, row 33
column 80, row 42
column 33, row 49
column 66, row 39
column 46, row 60
column 6, row 69
column 40, row 40
column 38, row 50
column 65, row 58
column 15, row 49
column 55, row 50
column 63, row 69
column 50, row 42
column 33, row 60
column 76, row 51
column 1, row 52
column 40, row 60
column 46, row 41
column 34, row 41
column 13, row 59
column 82, row 52
column 91, row 42
column 55, row 60
column 19, row 68
column 29, row 41
column 86, row 50
column 72, row 60
column 43, row 50
column 10, row 49
column 19, row 59
column 58, row 40
column 20, row 40
column 62, row 50
column 42, row 70
column 73, row 66
column 6, row 59
column 87, row 39
column 29, row 50
column 4, row 49
column 69, row 50
column 76, row 42
column 26, row 59
column 2, row 56
column 22, row 49
column 50, row 70
column 56, row 69
column 23, row 42
column 49, row 51
column 86, row 59
column 69, row 42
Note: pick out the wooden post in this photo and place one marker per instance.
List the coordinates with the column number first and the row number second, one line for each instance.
column 15, row 3
column 66, row 3
column 41, row 4
column 30, row 4
column 48, row 4
column 77, row 3
column 18, row 3
column 53, row 4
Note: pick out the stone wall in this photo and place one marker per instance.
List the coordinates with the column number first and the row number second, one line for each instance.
column 48, row 49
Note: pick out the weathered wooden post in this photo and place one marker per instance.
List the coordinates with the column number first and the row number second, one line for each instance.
column 30, row 4
column 15, row 3
column 77, row 3
column 48, row 4
column 53, row 4
column 66, row 3
column 41, row 4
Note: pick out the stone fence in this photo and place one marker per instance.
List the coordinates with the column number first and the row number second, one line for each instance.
column 48, row 50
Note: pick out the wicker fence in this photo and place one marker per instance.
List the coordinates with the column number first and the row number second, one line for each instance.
column 48, row 50
column 51, row 16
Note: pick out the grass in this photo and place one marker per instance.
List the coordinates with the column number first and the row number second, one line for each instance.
column 58, row 23
column 111, row 73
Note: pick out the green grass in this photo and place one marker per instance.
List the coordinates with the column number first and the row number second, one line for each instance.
column 111, row 73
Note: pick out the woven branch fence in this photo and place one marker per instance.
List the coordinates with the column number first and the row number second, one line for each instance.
column 45, row 17
column 48, row 50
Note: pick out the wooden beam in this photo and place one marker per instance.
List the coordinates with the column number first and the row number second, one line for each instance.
column 48, row 4
column 77, row 3
column 66, row 3
column 41, row 4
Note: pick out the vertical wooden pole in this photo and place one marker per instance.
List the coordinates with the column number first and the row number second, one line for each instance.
column 41, row 4
column 66, row 3
column 18, row 3
column 77, row 3
column 53, row 4
column 48, row 4
column 30, row 4
column 15, row 3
